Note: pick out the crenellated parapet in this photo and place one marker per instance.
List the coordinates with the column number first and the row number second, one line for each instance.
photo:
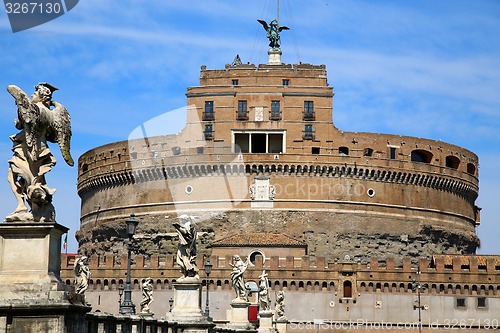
column 460, row 274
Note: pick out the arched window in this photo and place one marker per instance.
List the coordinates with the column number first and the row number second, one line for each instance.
column 422, row 156
column 253, row 256
column 471, row 168
column 452, row 162
column 343, row 151
column 347, row 289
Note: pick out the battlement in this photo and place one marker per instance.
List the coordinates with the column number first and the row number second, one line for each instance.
column 438, row 264
column 467, row 274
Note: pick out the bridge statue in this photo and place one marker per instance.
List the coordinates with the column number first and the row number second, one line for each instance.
column 39, row 119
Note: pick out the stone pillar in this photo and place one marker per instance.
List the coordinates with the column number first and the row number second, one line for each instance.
column 274, row 57
column 266, row 322
column 239, row 315
column 281, row 325
column 186, row 311
column 187, row 300
column 30, row 282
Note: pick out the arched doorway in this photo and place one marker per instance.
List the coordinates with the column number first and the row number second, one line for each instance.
column 347, row 289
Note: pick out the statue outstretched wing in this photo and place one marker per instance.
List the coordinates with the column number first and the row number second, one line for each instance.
column 59, row 130
column 28, row 118
column 283, row 28
column 264, row 24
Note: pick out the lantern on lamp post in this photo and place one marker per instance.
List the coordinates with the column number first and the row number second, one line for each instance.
column 127, row 307
column 208, row 270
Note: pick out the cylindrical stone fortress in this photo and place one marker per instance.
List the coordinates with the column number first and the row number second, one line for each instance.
column 260, row 153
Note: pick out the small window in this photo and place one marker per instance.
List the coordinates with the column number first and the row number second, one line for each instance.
column 199, row 150
column 286, row 82
column 209, row 106
column 481, row 302
column 308, row 132
column 242, row 110
column 460, row 302
column 176, row 150
column 308, row 110
column 275, row 110
column 208, row 115
column 343, row 151
column 209, row 134
column 242, row 106
column 368, row 152
column 275, row 106
column 235, row 82
column 133, row 155
column 315, row 150
column 393, row 153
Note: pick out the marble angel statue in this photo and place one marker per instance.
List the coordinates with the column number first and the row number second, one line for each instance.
column 186, row 251
column 39, row 120
column 237, row 279
column 147, row 295
column 82, row 275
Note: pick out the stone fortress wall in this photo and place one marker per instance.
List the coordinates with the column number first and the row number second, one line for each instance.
column 336, row 195
column 352, row 287
column 342, row 193
column 447, row 274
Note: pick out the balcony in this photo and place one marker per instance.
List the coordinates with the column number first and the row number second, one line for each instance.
column 242, row 115
column 309, row 116
column 208, row 116
column 275, row 115
column 307, row 135
column 209, row 135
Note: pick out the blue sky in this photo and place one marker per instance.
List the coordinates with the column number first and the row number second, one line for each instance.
column 421, row 68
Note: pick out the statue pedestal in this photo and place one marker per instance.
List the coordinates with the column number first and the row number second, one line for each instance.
column 266, row 322
column 30, row 261
column 274, row 57
column 239, row 315
column 281, row 325
column 186, row 310
column 187, row 300
column 30, row 283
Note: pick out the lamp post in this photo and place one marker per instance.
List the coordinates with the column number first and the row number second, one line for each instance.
column 127, row 306
column 208, row 270
column 416, row 285
column 171, row 303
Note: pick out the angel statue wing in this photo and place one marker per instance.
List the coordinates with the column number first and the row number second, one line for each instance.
column 39, row 122
column 264, row 24
column 59, row 130
column 283, row 27
column 28, row 115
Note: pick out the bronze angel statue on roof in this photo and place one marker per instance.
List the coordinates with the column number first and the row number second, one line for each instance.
column 273, row 33
column 39, row 119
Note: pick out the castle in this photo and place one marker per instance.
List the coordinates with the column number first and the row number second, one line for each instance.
column 350, row 223
column 260, row 153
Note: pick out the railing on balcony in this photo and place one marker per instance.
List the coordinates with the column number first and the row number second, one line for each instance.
column 209, row 135
column 309, row 116
column 242, row 115
column 307, row 135
column 208, row 116
column 275, row 115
